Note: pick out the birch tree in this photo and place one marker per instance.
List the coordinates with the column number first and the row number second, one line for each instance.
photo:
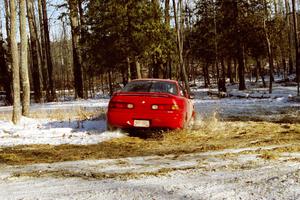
column 24, row 60
column 15, row 63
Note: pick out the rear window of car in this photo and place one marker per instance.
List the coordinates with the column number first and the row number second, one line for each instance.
column 151, row 86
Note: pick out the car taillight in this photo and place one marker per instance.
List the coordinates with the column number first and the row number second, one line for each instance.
column 130, row 106
column 121, row 105
column 165, row 107
column 154, row 107
column 174, row 107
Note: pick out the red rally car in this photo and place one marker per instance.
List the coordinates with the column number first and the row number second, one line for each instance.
column 150, row 103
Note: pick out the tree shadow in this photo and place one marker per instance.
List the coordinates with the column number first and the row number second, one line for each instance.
column 93, row 125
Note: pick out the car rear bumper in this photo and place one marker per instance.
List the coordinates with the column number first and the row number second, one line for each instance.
column 125, row 119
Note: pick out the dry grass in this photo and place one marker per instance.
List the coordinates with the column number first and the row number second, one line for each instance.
column 210, row 136
column 79, row 113
column 61, row 114
column 99, row 176
column 269, row 155
column 5, row 116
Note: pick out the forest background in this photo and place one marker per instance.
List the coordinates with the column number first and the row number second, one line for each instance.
column 103, row 44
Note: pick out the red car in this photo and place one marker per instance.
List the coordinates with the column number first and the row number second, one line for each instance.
column 150, row 103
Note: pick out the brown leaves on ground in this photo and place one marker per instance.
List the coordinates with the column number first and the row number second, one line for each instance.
column 216, row 136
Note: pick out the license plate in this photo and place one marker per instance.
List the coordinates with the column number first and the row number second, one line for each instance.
column 141, row 123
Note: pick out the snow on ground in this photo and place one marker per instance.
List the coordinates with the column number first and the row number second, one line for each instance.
column 277, row 108
column 254, row 103
column 144, row 164
column 206, row 175
column 274, row 110
column 55, row 132
column 67, row 105
column 191, row 176
column 46, row 131
column 284, row 90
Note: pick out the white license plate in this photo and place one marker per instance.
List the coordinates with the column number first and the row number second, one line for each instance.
column 141, row 123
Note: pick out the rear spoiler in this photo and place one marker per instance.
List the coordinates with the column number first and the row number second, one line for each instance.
column 152, row 94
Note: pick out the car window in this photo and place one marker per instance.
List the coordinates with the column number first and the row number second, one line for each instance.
column 163, row 87
column 137, row 86
column 151, row 86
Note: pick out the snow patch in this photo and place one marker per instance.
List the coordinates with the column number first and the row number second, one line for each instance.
column 46, row 131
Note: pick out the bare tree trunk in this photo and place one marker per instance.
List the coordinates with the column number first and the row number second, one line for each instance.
column 6, row 74
column 280, row 45
column 290, row 34
column 275, row 6
column 156, row 58
column 229, row 71
column 167, row 23
column 283, row 61
column 15, row 64
column 155, row 67
column 7, row 17
column 296, row 46
column 271, row 64
column 111, row 90
column 256, row 74
column 260, row 71
column 222, row 80
column 216, row 65
column 4, row 68
column 24, row 60
column 82, row 56
column 42, row 52
column 206, row 74
column 241, row 68
column 167, row 13
column 93, row 86
column 235, row 66
column 65, row 57
column 102, row 82
column 48, row 51
column 180, row 33
column 179, row 29
column 240, row 49
column 78, row 78
column 129, row 77
column 138, row 68
column 80, row 12
column 34, row 52
column 170, row 71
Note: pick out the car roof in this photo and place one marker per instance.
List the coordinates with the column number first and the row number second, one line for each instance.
column 156, row 79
